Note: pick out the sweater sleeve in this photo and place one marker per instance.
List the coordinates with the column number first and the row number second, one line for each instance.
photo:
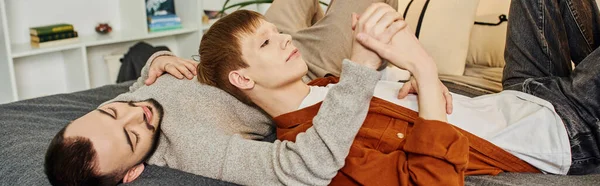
column 146, row 70
column 317, row 154
column 437, row 154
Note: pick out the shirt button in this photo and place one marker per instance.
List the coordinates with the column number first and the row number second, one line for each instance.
column 400, row 135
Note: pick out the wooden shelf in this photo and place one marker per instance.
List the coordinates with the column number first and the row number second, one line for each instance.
column 25, row 49
column 118, row 37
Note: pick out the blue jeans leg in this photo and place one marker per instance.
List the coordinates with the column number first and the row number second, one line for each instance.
column 544, row 37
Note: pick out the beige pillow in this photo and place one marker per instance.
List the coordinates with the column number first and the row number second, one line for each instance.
column 487, row 43
column 444, row 29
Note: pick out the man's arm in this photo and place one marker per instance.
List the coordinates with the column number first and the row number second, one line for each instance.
column 161, row 62
column 317, row 154
column 406, row 52
column 146, row 70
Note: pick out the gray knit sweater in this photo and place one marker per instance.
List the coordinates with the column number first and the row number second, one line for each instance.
column 208, row 132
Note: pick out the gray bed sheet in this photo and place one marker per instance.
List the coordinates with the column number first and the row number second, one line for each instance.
column 26, row 128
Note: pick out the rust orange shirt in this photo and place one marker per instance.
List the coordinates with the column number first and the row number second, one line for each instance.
column 396, row 147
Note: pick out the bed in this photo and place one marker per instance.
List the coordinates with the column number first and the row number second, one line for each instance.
column 27, row 127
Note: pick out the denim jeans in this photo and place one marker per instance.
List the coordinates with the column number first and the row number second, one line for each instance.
column 544, row 37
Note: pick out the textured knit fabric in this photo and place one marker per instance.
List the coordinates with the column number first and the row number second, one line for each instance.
column 520, row 123
column 208, row 132
column 396, row 147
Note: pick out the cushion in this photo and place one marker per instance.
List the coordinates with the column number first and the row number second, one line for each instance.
column 444, row 28
column 486, row 47
column 487, row 43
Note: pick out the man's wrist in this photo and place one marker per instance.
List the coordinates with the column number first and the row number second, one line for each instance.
column 372, row 64
column 423, row 67
column 423, row 73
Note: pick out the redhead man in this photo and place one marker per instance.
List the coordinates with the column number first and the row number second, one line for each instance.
column 268, row 74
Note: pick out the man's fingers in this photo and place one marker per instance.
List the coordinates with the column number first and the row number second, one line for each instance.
column 372, row 43
column 372, row 21
column 384, row 24
column 185, row 71
column 194, row 65
column 365, row 15
column 415, row 85
column 151, row 77
column 448, row 97
column 404, row 91
column 171, row 69
column 449, row 105
column 191, row 67
column 392, row 30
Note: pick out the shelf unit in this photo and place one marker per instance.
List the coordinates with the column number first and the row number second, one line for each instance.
column 27, row 72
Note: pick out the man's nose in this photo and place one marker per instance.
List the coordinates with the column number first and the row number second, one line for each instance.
column 133, row 115
column 286, row 40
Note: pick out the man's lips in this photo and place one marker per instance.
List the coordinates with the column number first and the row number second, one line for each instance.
column 294, row 52
column 148, row 117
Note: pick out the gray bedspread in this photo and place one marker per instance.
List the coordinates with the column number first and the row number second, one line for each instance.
column 26, row 128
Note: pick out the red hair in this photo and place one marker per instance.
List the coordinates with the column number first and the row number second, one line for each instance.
column 220, row 50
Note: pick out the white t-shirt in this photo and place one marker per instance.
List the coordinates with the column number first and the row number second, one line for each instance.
column 522, row 124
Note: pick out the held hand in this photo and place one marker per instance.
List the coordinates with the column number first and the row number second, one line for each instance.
column 404, row 50
column 379, row 20
column 178, row 67
column 411, row 87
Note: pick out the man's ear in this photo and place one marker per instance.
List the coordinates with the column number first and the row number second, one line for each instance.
column 237, row 78
column 134, row 173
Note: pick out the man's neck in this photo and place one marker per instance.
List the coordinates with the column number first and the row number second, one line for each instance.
column 281, row 100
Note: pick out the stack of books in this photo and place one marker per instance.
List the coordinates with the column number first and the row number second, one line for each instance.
column 163, row 22
column 51, row 35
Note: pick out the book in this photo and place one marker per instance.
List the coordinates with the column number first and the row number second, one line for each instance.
column 49, row 29
column 160, row 7
column 163, row 18
column 165, row 28
column 54, row 43
column 52, row 37
column 163, row 24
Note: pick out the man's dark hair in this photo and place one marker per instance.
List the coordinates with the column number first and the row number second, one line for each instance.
column 72, row 161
